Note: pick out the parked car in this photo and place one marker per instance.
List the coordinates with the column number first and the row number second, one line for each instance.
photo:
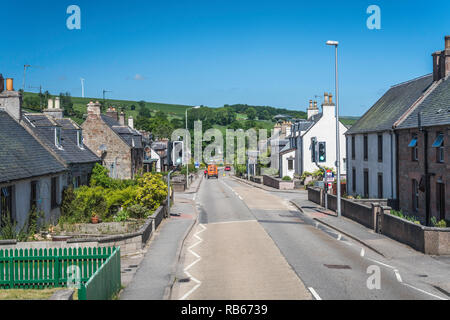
column 227, row 168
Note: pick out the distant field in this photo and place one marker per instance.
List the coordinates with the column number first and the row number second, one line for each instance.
column 173, row 110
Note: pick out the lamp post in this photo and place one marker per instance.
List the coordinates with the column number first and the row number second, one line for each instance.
column 338, row 155
column 186, row 147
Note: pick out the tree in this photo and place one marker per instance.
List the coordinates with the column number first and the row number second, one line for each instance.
column 251, row 113
column 66, row 104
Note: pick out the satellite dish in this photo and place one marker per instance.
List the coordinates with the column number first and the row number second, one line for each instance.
column 103, row 148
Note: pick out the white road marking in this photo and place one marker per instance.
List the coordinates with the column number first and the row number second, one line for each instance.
column 423, row 291
column 240, row 197
column 383, row 264
column 198, row 282
column 339, row 237
column 314, row 293
column 363, row 252
column 195, row 196
column 397, row 275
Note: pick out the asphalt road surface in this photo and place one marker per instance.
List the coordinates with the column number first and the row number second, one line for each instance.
column 253, row 244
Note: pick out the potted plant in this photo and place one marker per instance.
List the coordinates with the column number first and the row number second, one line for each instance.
column 94, row 217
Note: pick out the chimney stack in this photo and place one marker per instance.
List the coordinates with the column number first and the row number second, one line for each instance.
column 10, row 100
column 131, row 122
column 328, row 107
column 312, row 110
column 53, row 109
column 122, row 118
column 93, row 109
column 111, row 112
column 441, row 61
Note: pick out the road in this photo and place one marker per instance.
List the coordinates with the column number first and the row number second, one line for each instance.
column 253, row 244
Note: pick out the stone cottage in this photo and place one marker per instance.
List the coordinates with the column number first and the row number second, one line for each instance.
column 117, row 144
column 30, row 175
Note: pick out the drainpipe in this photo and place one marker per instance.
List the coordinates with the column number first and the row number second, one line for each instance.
column 427, row 175
column 397, row 170
column 392, row 166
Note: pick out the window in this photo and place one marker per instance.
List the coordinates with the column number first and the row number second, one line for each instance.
column 440, row 198
column 439, row 144
column 366, row 148
column 414, row 150
column 58, row 137
column 290, row 164
column 353, row 180
column 353, row 147
column 80, row 139
column 380, row 148
column 415, row 195
column 6, row 197
column 54, row 192
column 366, row 183
column 380, row 186
column 33, row 195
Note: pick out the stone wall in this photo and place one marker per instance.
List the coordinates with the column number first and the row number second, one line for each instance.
column 130, row 243
column 434, row 241
column 278, row 183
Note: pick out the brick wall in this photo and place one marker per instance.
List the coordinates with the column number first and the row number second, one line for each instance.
column 409, row 170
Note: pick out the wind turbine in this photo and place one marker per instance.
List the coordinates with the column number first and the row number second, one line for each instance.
column 82, row 87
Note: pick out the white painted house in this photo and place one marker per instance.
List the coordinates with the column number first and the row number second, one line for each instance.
column 322, row 126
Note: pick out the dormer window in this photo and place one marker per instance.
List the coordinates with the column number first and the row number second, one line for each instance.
column 58, row 137
column 80, row 139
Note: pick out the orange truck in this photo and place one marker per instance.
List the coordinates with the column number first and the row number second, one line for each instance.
column 213, row 171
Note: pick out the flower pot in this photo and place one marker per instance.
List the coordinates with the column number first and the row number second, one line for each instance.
column 94, row 220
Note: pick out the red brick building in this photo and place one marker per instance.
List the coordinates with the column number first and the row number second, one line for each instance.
column 423, row 140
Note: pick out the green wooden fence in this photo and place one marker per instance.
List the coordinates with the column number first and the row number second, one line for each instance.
column 50, row 268
column 105, row 282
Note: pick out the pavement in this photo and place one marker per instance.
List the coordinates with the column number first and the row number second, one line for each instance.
column 151, row 274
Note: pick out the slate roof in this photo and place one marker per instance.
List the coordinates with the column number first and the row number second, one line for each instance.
column 21, row 155
column 435, row 108
column 131, row 136
column 43, row 127
column 393, row 104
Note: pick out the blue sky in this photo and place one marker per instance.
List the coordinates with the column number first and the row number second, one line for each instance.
column 222, row 52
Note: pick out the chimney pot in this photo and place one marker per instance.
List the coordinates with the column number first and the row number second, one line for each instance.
column 131, row 122
column 9, row 84
column 57, row 103
column 310, row 104
column 330, row 98
column 50, row 104
column 122, row 118
column 447, row 42
column 325, row 100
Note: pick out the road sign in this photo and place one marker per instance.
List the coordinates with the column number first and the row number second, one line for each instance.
column 197, row 165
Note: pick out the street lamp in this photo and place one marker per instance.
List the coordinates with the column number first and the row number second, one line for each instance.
column 338, row 153
column 186, row 146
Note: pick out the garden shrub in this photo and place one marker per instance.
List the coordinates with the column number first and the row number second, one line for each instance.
column 151, row 191
column 286, row 178
column 137, row 211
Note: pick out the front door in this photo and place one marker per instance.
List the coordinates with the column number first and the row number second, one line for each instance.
column 440, row 192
